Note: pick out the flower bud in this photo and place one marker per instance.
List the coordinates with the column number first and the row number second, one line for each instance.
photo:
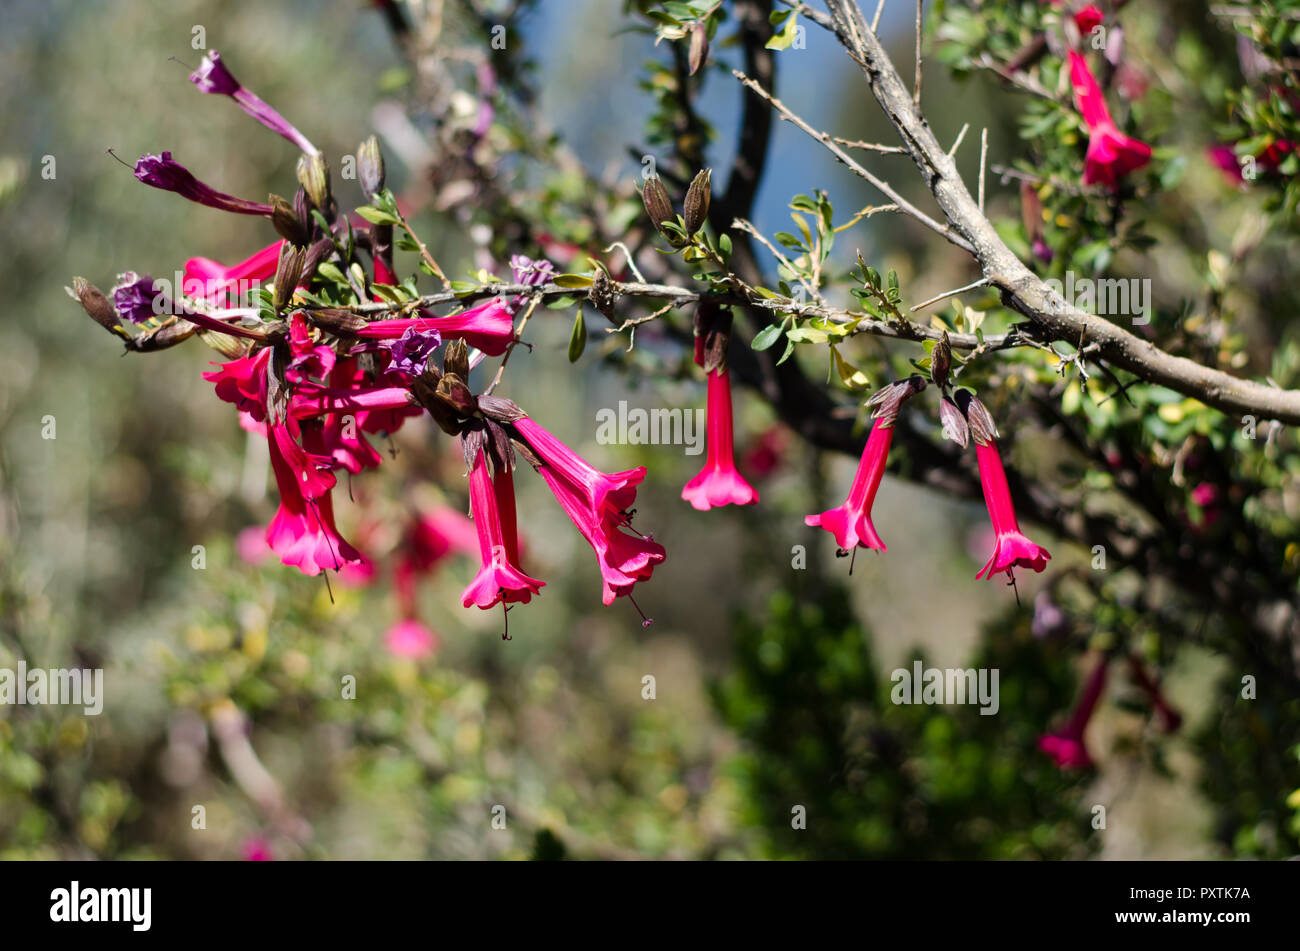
column 695, row 209
column 370, row 166
column 286, row 222
column 941, row 360
column 314, row 174
column 657, row 203
column 453, row 391
column 287, row 274
column 455, row 359
column 982, row 426
column 336, row 321
column 97, row 305
column 954, row 423
column 699, row 46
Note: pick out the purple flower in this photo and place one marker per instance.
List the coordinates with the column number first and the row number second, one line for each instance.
column 162, row 171
column 528, row 271
column 213, row 77
column 135, row 296
column 411, row 350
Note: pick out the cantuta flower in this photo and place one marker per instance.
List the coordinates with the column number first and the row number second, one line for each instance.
column 1066, row 746
column 1111, row 154
column 850, row 523
column 1012, row 549
column 719, row 482
column 162, row 171
column 598, row 504
column 210, row 280
column 212, row 76
column 499, row 579
column 488, row 327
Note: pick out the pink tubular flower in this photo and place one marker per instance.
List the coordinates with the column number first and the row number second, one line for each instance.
column 209, row 280
column 1012, row 549
column 850, row 523
column 1111, row 154
column 719, row 483
column 488, row 327
column 499, row 579
column 1170, row 719
column 597, row 503
column 1088, row 18
column 213, row 77
column 410, row 638
column 1066, row 746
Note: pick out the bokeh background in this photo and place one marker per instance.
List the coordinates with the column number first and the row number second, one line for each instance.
column 224, row 682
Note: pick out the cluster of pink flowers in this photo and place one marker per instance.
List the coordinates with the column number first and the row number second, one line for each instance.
column 323, row 380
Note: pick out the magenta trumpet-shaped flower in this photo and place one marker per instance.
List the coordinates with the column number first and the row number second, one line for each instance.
column 1111, row 154
column 1066, row 746
column 1011, row 549
column 302, row 533
column 212, row 76
column 138, row 298
column 597, row 503
column 719, row 482
column 162, row 171
column 850, row 523
column 488, row 327
column 492, row 503
column 206, row 279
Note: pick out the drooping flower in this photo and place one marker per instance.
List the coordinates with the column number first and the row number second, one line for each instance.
column 719, row 482
column 498, row 580
column 488, row 327
column 1011, row 549
column 1170, row 719
column 850, row 523
column 1111, row 154
column 1066, row 746
column 162, row 171
column 206, row 279
column 410, row 638
column 1088, row 18
column 212, row 76
column 303, row 533
column 598, row 504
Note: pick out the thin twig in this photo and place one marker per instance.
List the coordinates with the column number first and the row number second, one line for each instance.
column 952, row 293
column 984, row 157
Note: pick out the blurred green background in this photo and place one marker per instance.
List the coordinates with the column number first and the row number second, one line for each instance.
column 224, row 683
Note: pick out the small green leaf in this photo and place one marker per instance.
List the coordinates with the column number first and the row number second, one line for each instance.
column 375, row 216
column 573, row 280
column 766, row 337
column 577, row 337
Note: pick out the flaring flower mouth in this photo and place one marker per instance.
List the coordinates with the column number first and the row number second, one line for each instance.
column 1014, row 550
column 1111, row 154
column 719, row 482
column 492, row 504
column 850, row 523
column 1067, row 752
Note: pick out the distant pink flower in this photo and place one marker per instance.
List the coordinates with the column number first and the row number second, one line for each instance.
column 1111, row 154
column 499, row 579
column 1066, row 746
column 767, row 452
column 257, row 849
column 719, row 483
column 488, row 327
column 1170, row 719
column 410, row 638
column 250, row 545
column 1088, row 18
